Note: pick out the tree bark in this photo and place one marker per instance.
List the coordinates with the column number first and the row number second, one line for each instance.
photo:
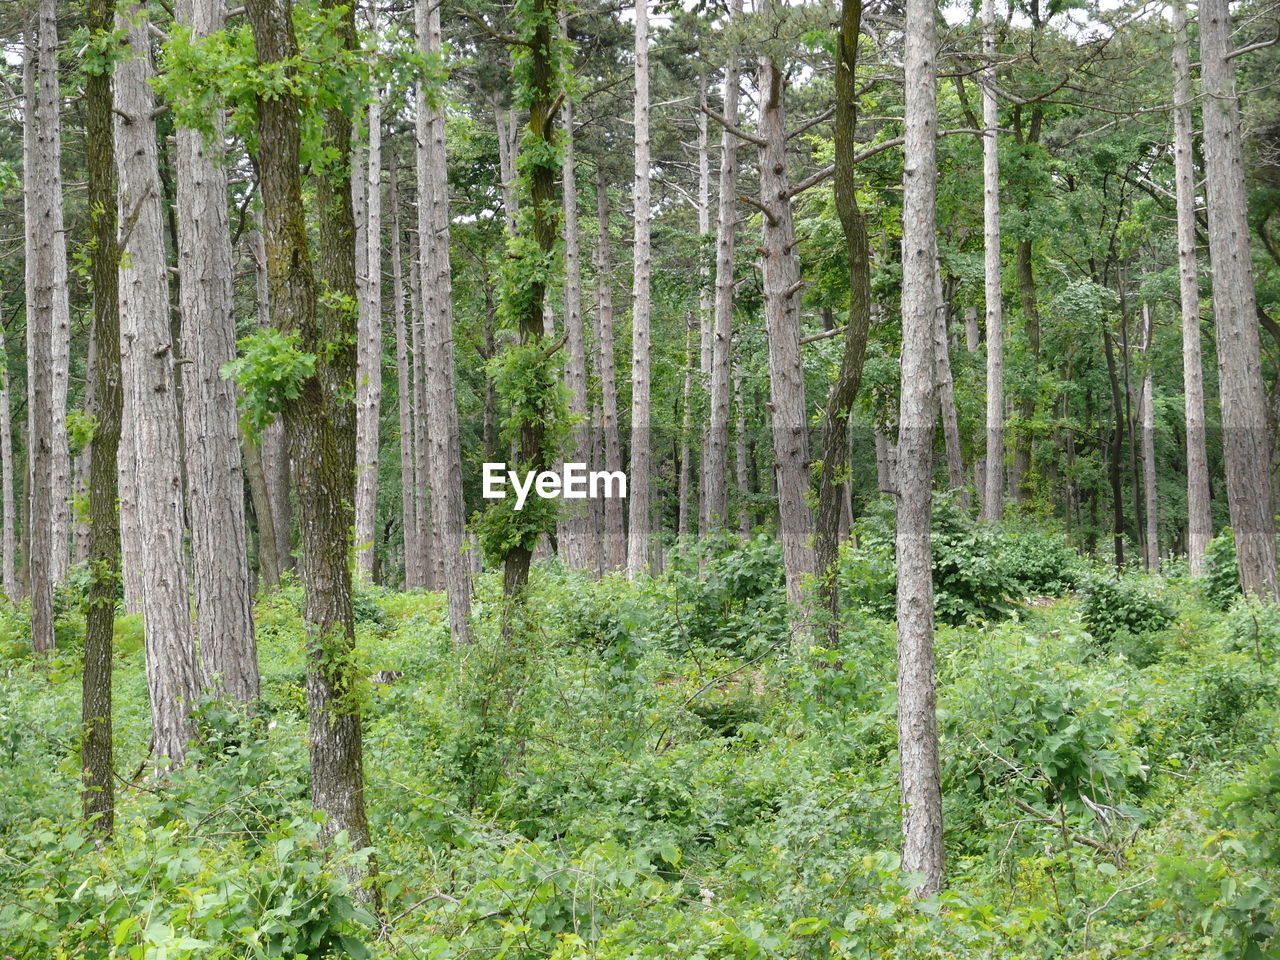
column 227, row 655
column 414, row 576
column 323, row 476
column 742, row 460
column 150, row 404
column 782, row 323
column 9, row 530
column 993, row 485
column 576, row 538
column 428, row 536
column 1149, row 445
column 706, row 303
column 1199, row 520
column 922, row 847
column 1117, row 447
column 834, row 478
column 638, row 481
column 946, row 386
column 1245, row 432
column 96, row 753
column 369, row 341
column 715, row 458
column 615, row 538
column 445, row 461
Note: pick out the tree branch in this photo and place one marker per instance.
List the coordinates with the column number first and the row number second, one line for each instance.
column 740, row 134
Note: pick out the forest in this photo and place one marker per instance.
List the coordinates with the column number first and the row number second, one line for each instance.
column 543, row 479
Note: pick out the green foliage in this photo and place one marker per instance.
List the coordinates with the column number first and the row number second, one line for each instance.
column 270, row 373
column 1111, row 607
column 1220, row 582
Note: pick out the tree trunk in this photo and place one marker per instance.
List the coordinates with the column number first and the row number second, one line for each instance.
column 1245, row 433
column 834, row 478
column 80, row 465
column 577, row 542
column 227, row 655
column 428, row 536
column 715, row 457
column 922, row 848
column 782, row 323
column 9, row 532
column 993, row 485
column 369, row 341
column 1149, row 444
column 1199, row 521
column 150, row 405
column 414, row 575
column 448, row 510
column 638, row 481
column 706, row 294
column 742, row 460
column 262, row 456
column 96, row 754
column 1117, row 446
column 946, row 386
column 615, row 538
column 685, row 481
column 323, row 476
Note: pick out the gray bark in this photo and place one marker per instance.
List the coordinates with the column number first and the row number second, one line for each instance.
column 922, row 848
column 413, row 573
column 8, row 531
column 993, row 485
column 428, row 537
column 615, row 540
column 226, row 650
column 446, row 450
column 1199, row 521
column 577, row 539
column 638, row 480
column 742, row 466
column 946, row 386
column 715, row 457
column 150, row 406
column 781, row 271
column 1147, row 403
column 369, row 341
column 1246, row 436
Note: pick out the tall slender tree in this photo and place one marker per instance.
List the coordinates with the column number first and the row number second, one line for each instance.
column 922, row 850
column 993, row 481
column 1246, row 436
column 445, row 462
column 615, row 538
column 369, row 338
column 639, row 480
column 150, row 393
column 224, row 635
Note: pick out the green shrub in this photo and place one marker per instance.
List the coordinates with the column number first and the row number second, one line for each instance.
column 1111, row 607
column 1220, row 584
column 1039, row 561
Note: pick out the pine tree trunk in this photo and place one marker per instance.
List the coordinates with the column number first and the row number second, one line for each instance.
column 742, row 462
column 577, row 540
column 922, row 848
column 685, row 478
column 224, row 636
column 323, row 476
column 1246, row 436
column 615, row 538
column 150, row 387
column 782, row 324
column 369, row 342
column 96, row 754
column 1117, row 446
column 8, row 532
column 1149, row 445
column 1199, row 521
column 413, row 572
column 946, row 386
column 833, row 482
column 993, row 485
column 448, row 510
column 638, row 481
column 706, row 295
column 428, row 536
column 715, row 457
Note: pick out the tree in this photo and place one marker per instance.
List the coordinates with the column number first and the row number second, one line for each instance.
column 1246, row 435
column 638, row 481
column 992, row 493
column 445, row 459
column 96, row 753
column 323, row 476
column 615, row 538
column 715, row 458
column 414, row 574
column 1199, row 521
column 369, row 342
column 224, row 637
column 150, row 403
column 922, row 850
